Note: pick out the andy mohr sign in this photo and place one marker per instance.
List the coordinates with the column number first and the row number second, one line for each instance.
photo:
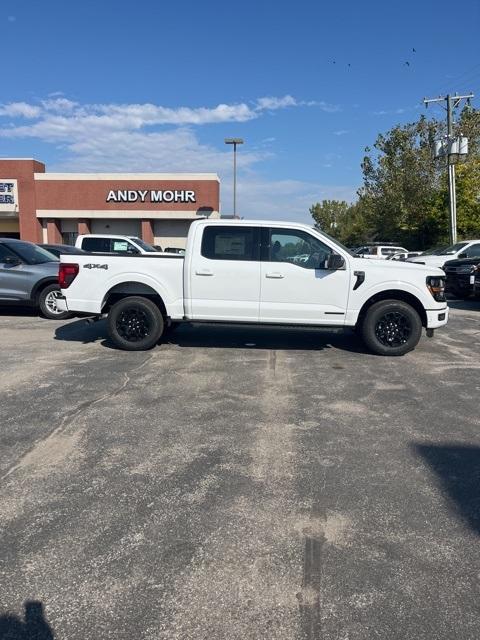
column 150, row 195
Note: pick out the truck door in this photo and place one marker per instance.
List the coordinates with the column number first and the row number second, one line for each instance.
column 293, row 288
column 225, row 275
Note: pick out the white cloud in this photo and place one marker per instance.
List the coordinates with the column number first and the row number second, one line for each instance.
column 280, row 199
column 340, row 132
column 272, row 103
column 134, row 138
column 20, row 110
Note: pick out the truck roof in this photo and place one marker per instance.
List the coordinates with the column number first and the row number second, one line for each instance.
column 244, row 222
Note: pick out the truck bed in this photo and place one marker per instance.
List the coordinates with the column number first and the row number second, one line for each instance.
column 102, row 274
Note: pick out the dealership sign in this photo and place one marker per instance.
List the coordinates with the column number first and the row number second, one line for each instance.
column 150, row 195
column 8, row 195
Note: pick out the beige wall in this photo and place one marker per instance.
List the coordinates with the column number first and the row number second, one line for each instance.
column 171, row 233
column 9, row 226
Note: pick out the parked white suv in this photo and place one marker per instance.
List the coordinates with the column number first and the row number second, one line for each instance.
column 438, row 257
column 243, row 271
column 105, row 243
column 379, row 251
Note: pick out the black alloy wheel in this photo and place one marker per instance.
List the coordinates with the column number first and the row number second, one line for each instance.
column 393, row 329
column 135, row 323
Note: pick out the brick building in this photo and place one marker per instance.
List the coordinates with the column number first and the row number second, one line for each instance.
column 54, row 207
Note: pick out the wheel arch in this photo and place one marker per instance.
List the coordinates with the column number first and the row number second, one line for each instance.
column 132, row 288
column 394, row 294
column 40, row 285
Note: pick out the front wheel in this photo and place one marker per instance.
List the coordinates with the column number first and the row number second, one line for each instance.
column 135, row 324
column 391, row 328
column 47, row 302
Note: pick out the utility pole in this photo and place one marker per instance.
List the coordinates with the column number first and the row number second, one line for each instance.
column 452, row 103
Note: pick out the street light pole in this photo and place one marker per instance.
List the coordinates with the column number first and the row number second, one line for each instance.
column 234, row 142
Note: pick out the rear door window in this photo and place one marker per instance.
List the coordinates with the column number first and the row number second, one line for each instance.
column 99, row 245
column 231, row 243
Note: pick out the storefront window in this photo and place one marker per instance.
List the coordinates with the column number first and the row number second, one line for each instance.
column 69, row 237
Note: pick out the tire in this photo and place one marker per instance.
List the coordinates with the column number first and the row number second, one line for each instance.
column 391, row 328
column 135, row 324
column 47, row 304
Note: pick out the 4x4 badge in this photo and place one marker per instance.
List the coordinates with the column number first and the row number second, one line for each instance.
column 90, row 265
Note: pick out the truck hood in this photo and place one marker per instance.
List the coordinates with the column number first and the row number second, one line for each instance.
column 388, row 266
column 436, row 261
column 462, row 261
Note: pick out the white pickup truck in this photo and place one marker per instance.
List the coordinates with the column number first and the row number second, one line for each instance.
column 259, row 272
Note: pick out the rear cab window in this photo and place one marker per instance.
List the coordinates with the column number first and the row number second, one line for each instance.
column 231, row 243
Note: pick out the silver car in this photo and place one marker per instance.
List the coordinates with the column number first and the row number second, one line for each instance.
column 29, row 276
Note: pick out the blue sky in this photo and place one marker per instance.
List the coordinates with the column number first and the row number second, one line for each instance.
column 157, row 86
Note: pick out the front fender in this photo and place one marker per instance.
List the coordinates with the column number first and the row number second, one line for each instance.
column 363, row 294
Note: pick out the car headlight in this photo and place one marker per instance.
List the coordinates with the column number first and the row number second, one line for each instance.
column 436, row 286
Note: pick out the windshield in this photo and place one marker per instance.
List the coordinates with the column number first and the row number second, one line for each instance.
column 30, row 253
column 446, row 250
column 144, row 245
column 337, row 242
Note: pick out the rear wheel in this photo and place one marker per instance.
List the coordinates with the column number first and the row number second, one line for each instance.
column 47, row 302
column 391, row 328
column 135, row 324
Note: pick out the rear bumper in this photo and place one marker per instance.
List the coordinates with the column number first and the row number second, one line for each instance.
column 437, row 317
column 61, row 302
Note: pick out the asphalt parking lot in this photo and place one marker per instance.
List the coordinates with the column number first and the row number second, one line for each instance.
column 238, row 483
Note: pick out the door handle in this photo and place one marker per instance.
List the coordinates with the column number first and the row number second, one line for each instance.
column 275, row 274
column 203, row 272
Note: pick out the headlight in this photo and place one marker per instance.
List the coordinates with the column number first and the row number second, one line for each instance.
column 436, row 286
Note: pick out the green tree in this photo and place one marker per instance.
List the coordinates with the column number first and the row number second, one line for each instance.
column 401, row 183
column 330, row 215
column 404, row 196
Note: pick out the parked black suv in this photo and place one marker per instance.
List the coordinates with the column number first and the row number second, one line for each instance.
column 461, row 276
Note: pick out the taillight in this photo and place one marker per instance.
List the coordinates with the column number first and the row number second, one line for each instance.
column 67, row 274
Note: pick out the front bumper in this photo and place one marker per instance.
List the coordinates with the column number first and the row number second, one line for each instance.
column 437, row 317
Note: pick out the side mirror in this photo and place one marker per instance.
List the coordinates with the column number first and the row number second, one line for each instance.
column 463, row 255
column 335, row 262
column 12, row 261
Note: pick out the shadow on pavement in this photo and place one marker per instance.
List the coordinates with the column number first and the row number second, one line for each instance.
column 227, row 336
column 458, row 470
column 34, row 627
column 18, row 310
